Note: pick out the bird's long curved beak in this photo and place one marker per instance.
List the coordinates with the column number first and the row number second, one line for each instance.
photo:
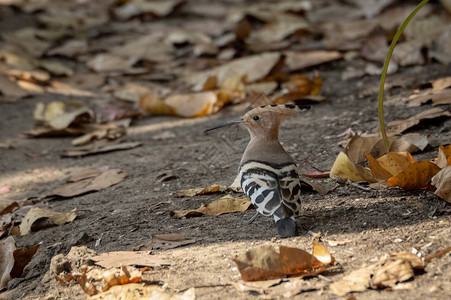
column 237, row 121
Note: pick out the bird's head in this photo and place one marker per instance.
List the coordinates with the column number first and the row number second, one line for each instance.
column 264, row 121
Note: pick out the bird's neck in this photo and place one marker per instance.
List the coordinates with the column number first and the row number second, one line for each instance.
column 266, row 149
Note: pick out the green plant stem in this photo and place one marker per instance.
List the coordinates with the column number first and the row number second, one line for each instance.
column 384, row 71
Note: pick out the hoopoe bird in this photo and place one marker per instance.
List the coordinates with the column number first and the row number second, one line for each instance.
column 267, row 173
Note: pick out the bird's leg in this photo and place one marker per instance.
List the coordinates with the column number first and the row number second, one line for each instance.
column 251, row 219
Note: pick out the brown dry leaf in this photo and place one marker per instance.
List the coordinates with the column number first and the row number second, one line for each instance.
column 415, row 176
column 358, row 145
column 343, row 167
column 252, row 67
column 395, row 268
column 298, row 60
column 35, row 213
column 391, row 270
column 110, row 63
column 207, row 190
column 268, row 261
column 164, row 242
column 98, row 147
column 435, row 97
column 444, row 156
column 7, row 247
column 225, row 205
column 399, row 126
column 21, row 259
column 97, row 183
column 357, row 281
column 377, row 170
column 113, row 133
column 9, row 88
column 124, row 258
column 442, row 181
column 137, row 7
column 276, row 288
column 139, row 291
column 280, row 26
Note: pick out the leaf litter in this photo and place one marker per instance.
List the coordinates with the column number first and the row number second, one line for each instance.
column 285, row 25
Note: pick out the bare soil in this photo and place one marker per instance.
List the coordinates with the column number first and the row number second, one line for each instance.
column 128, row 214
column 372, row 223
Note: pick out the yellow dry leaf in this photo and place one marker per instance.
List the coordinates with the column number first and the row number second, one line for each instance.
column 152, row 104
column 346, row 169
column 231, row 90
column 444, row 156
column 415, row 176
column 43, row 112
column 224, row 205
column 442, row 181
column 59, row 218
column 193, row 105
column 299, row 86
column 395, row 163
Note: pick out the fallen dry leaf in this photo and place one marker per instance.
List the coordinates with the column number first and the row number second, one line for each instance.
column 140, row 291
column 165, row 241
column 444, row 156
column 298, row 60
column 193, row 105
column 85, row 185
column 415, row 176
column 251, row 67
column 343, row 167
column 7, row 247
column 442, row 181
column 225, row 205
column 102, row 147
column 358, row 145
column 389, row 165
column 207, row 190
column 124, row 258
column 21, row 259
column 35, row 213
column 395, row 268
column 270, row 261
column 389, row 271
column 9, row 88
column 399, row 126
column 13, row 260
column 435, row 97
column 122, row 279
column 275, row 288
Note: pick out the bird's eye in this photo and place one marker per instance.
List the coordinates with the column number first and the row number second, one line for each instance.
column 256, row 118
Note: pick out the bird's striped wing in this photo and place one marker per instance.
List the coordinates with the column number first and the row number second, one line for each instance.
column 271, row 193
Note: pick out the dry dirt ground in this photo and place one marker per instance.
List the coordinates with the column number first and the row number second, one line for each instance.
column 128, row 214
column 372, row 222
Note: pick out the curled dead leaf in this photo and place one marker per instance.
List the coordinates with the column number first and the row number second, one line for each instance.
column 224, row 205
column 269, row 261
column 59, row 218
column 343, row 167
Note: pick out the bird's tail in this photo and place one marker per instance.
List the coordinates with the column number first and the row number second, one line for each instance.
column 287, row 227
